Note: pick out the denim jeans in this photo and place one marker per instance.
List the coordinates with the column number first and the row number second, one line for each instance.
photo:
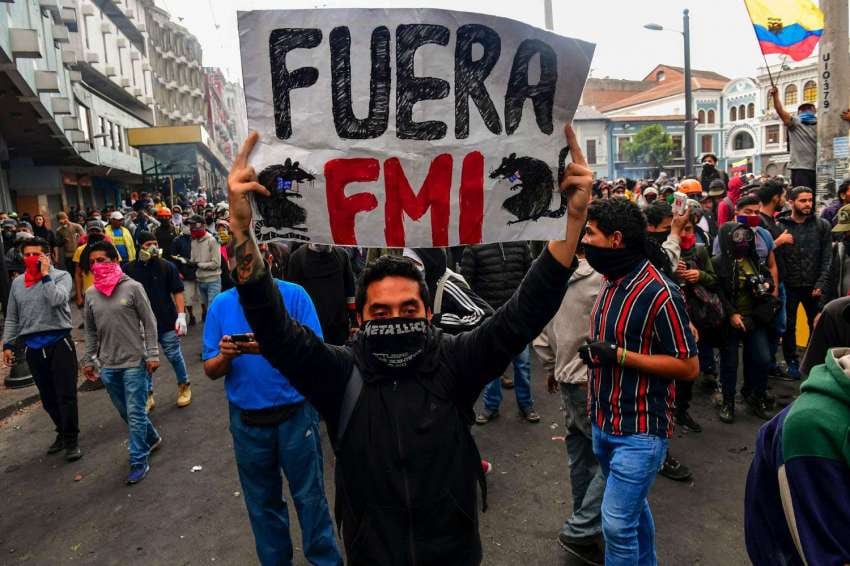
column 629, row 464
column 522, row 385
column 756, row 361
column 293, row 446
column 779, row 326
column 127, row 387
column 586, row 479
column 209, row 291
column 170, row 343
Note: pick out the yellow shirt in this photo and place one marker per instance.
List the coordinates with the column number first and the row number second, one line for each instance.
column 88, row 278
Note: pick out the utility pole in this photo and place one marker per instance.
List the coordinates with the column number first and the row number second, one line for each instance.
column 833, row 91
column 689, row 97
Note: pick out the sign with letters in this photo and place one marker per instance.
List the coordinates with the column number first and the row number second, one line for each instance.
column 408, row 127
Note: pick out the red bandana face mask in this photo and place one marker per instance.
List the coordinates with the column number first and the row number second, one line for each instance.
column 32, row 271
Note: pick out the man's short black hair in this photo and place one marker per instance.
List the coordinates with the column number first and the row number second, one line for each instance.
column 33, row 242
column 390, row 266
column 621, row 215
column 845, row 184
column 748, row 200
column 104, row 246
column 770, row 189
column 797, row 191
column 657, row 212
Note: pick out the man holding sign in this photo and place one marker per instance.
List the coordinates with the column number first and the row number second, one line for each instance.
column 398, row 402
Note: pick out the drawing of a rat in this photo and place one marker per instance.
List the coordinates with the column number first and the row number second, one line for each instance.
column 279, row 210
column 533, row 178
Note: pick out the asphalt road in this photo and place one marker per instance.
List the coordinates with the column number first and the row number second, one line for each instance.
column 82, row 513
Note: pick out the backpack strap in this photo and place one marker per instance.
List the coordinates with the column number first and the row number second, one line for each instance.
column 349, row 401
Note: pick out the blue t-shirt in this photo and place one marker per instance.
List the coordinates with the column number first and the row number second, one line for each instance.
column 252, row 382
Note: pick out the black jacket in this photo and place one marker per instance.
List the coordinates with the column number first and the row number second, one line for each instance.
column 407, row 466
column 494, row 271
column 805, row 263
column 835, row 287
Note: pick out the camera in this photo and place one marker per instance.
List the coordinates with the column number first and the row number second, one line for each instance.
column 759, row 285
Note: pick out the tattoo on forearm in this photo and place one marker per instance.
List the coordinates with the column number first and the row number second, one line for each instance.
column 249, row 261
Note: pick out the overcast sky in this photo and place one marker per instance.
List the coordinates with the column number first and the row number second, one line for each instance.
column 722, row 38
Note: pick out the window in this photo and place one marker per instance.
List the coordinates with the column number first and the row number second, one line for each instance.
column 677, row 146
column 790, row 95
column 769, row 104
column 119, row 137
column 621, row 147
column 711, row 116
column 103, row 133
column 771, row 134
column 111, row 133
column 590, row 152
column 810, row 92
column 84, row 118
column 701, row 117
column 105, row 49
column 660, row 76
column 707, row 145
column 743, row 141
column 733, row 114
column 751, row 110
column 742, row 112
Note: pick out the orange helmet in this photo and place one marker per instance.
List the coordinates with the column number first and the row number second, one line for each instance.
column 690, row 186
column 164, row 212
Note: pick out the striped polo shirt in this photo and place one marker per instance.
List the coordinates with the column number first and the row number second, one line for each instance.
column 643, row 312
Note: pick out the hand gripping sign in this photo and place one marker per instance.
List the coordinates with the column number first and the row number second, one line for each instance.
column 408, row 127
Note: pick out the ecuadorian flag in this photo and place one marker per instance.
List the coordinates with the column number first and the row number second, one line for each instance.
column 787, row 27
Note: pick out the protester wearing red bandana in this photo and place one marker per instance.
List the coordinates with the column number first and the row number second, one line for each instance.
column 38, row 314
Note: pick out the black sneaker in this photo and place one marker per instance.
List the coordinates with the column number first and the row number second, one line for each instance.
column 675, row 470
column 530, row 415
column 73, row 453
column 91, row 385
column 759, row 406
column 588, row 553
column 684, row 419
column 778, row 372
column 57, row 446
column 486, row 416
column 727, row 412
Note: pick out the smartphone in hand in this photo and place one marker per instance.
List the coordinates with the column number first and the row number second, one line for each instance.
column 242, row 338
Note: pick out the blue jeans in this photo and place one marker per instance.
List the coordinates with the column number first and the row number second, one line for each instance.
column 295, row 447
column 127, row 387
column 586, row 479
column 209, row 291
column 170, row 343
column 522, row 385
column 629, row 464
column 756, row 361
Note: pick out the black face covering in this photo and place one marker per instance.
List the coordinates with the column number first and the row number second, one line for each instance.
column 396, row 343
column 659, row 237
column 95, row 238
column 613, row 263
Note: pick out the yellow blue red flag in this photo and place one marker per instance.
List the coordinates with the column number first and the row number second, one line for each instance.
column 787, row 27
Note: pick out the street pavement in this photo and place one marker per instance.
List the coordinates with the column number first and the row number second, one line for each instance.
column 82, row 513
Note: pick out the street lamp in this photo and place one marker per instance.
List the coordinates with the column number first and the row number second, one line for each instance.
column 689, row 122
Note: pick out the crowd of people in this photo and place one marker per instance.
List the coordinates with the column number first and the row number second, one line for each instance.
column 657, row 285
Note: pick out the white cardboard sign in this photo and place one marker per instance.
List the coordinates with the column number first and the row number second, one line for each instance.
column 408, row 127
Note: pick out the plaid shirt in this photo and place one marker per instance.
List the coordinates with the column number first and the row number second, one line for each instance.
column 642, row 312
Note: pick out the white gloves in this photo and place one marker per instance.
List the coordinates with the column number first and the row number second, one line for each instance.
column 180, row 327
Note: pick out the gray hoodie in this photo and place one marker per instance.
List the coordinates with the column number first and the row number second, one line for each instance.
column 558, row 344
column 120, row 329
column 42, row 307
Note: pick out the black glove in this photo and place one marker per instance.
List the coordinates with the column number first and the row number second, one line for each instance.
column 192, row 264
column 598, row 354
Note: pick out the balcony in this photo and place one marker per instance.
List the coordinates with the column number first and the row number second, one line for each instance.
column 52, row 6
column 121, row 42
column 24, row 43
column 70, row 123
column 196, row 92
column 142, row 28
column 92, row 57
column 75, row 76
column 46, row 82
column 183, row 89
column 168, row 54
column 60, row 105
column 106, row 27
column 87, row 10
column 181, row 60
column 69, row 16
column 124, row 82
column 60, row 34
column 135, row 56
column 109, row 71
column 136, row 91
column 171, row 85
column 69, row 57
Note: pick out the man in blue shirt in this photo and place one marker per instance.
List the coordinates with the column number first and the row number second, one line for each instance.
column 273, row 429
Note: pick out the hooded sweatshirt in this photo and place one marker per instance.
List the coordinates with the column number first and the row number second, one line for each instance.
column 725, row 211
column 797, row 502
column 558, row 344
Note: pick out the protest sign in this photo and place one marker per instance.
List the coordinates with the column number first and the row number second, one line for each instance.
column 408, row 127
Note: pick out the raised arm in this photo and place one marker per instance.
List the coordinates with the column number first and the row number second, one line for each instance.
column 318, row 371
column 783, row 114
column 484, row 352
